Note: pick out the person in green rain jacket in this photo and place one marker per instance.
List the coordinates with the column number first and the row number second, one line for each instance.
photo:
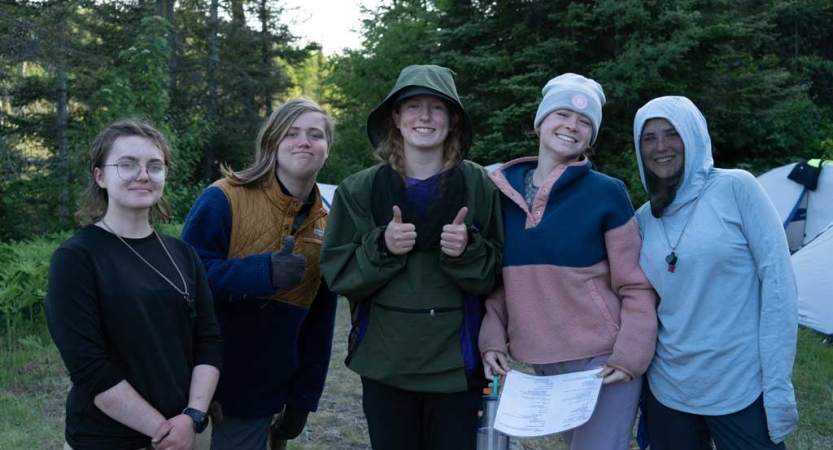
column 414, row 243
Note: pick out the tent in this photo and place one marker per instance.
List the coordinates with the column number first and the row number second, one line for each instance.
column 327, row 193
column 806, row 210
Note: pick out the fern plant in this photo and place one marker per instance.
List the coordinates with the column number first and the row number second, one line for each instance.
column 24, row 267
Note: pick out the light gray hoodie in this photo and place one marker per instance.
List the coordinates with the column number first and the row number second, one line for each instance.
column 727, row 315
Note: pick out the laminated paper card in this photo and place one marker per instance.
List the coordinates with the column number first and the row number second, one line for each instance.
column 539, row 405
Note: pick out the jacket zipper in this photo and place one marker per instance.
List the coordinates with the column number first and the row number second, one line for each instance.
column 429, row 311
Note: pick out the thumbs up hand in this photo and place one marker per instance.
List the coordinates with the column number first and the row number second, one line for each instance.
column 287, row 267
column 400, row 238
column 455, row 236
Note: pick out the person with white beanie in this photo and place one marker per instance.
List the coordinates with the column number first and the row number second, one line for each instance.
column 574, row 297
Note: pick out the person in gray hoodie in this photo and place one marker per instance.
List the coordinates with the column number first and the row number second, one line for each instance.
column 715, row 251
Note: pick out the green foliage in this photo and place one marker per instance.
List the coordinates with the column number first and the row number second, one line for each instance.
column 24, row 267
column 185, row 182
column 171, row 229
column 138, row 85
column 126, row 59
column 395, row 37
column 307, row 78
column 28, row 204
column 760, row 71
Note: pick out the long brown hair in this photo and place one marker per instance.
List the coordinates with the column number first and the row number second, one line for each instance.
column 392, row 149
column 93, row 206
column 270, row 135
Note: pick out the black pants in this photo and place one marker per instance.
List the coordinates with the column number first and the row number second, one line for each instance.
column 669, row 429
column 405, row 420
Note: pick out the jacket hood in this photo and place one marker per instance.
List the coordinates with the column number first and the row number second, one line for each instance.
column 427, row 79
column 693, row 130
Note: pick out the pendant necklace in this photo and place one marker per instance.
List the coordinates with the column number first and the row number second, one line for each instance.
column 187, row 299
column 671, row 259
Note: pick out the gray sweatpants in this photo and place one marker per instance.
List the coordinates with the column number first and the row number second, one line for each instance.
column 611, row 425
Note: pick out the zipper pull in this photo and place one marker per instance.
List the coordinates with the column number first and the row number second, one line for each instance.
column 432, row 313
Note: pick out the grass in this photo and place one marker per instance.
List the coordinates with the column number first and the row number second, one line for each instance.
column 33, row 388
column 813, row 381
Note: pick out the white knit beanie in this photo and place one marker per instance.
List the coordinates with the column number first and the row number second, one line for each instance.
column 576, row 93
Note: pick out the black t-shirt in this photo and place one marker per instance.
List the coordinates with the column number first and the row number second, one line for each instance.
column 113, row 318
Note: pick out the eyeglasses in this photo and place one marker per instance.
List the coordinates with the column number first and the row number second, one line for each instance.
column 129, row 171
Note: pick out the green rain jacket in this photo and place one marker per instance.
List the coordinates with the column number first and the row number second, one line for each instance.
column 415, row 316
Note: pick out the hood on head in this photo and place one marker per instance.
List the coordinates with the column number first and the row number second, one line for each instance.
column 419, row 80
column 694, row 132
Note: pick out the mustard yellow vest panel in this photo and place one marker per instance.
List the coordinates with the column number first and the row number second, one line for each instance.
column 262, row 217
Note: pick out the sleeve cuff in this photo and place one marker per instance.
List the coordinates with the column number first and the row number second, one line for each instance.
column 376, row 249
column 494, row 349
column 106, row 379
column 473, row 246
column 627, row 371
column 210, row 358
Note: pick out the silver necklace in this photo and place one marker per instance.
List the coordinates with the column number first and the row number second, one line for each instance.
column 186, row 297
column 671, row 259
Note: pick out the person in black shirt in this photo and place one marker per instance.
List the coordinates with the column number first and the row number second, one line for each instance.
column 130, row 309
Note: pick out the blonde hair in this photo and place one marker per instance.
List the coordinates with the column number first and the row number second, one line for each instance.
column 270, row 135
column 392, row 149
column 93, row 206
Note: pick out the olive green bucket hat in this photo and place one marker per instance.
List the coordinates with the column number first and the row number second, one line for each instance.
column 419, row 80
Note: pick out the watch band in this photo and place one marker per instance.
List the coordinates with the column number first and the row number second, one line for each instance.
column 200, row 418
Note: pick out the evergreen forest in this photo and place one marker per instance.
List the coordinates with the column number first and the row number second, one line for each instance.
column 207, row 72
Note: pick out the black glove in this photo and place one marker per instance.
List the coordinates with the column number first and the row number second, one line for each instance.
column 287, row 267
column 291, row 425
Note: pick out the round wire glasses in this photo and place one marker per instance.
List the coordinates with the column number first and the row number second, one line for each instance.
column 129, row 171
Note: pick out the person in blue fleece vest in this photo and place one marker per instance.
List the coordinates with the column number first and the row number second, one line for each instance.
column 259, row 232
column 715, row 251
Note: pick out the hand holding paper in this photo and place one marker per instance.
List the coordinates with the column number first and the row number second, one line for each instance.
column 537, row 406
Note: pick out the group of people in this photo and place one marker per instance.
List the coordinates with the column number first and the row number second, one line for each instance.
column 449, row 272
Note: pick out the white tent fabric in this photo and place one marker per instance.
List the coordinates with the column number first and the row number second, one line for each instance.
column 807, row 217
column 327, row 193
column 813, row 266
column 817, row 205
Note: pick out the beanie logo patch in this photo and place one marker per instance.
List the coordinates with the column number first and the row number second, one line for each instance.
column 579, row 101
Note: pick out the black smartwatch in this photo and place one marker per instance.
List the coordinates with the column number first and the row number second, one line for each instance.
column 200, row 418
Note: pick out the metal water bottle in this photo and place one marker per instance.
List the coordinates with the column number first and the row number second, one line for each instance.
column 488, row 438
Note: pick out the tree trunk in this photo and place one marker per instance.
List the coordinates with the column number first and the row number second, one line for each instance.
column 165, row 10
column 213, row 62
column 172, row 38
column 63, row 139
column 796, row 15
column 266, row 56
column 238, row 15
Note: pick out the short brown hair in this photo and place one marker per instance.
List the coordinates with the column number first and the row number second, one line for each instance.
column 94, row 204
